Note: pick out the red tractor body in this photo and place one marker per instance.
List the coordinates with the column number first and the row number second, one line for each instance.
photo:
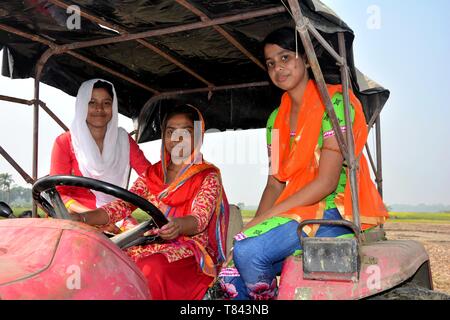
column 60, row 259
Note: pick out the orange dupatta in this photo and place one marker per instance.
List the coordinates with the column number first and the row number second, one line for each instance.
column 298, row 164
column 178, row 195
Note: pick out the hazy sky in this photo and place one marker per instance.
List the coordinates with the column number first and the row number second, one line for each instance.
column 402, row 44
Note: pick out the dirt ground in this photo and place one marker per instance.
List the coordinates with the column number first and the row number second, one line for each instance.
column 436, row 239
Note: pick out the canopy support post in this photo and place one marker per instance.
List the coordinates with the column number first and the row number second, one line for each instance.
column 353, row 163
column 379, row 179
column 302, row 29
column 347, row 148
column 39, row 67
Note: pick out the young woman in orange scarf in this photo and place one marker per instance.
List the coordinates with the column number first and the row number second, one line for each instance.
column 189, row 191
column 308, row 178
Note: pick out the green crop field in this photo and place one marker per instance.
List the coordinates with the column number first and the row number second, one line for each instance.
column 411, row 217
column 248, row 213
column 425, row 217
column 405, row 217
column 138, row 214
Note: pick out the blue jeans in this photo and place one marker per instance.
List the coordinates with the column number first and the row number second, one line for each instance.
column 259, row 259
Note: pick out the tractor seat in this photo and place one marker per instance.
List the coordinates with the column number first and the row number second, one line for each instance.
column 235, row 225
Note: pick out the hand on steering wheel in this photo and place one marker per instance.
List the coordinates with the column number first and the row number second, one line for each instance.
column 57, row 208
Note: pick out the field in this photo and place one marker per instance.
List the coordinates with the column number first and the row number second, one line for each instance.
column 435, row 236
column 426, row 217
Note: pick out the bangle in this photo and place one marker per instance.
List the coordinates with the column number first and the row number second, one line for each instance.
column 69, row 203
column 83, row 217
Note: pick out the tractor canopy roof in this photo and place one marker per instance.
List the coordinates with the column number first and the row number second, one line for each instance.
column 207, row 53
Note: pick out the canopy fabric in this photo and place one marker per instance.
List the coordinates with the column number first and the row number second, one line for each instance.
column 205, row 51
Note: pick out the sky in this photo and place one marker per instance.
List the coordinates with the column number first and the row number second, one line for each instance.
column 402, row 44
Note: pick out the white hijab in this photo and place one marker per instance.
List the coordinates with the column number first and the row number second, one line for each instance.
column 113, row 164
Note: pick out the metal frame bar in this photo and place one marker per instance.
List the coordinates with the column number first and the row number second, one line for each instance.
column 353, row 162
column 26, row 35
column 379, row 159
column 112, row 72
column 222, row 31
column 374, row 118
column 347, row 147
column 320, row 81
column 39, row 68
column 376, row 114
column 170, row 30
column 372, row 163
column 144, row 43
column 36, row 103
column 16, row 100
column 57, row 50
column 42, row 104
column 53, row 116
column 212, row 89
column 16, row 166
column 378, row 170
column 315, row 33
column 378, row 177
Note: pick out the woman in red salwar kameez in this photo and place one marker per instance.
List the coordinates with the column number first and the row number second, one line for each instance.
column 189, row 191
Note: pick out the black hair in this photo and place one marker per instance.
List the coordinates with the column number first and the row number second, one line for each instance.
column 285, row 38
column 104, row 85
column 184, row 109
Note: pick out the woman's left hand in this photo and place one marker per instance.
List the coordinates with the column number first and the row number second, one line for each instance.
column 111, row 228
column 171, row 230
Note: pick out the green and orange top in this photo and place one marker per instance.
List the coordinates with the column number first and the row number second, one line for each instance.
column 325, row 132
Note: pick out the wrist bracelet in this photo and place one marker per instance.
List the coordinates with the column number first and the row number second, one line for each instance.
column 83, row 217
column 69, row 203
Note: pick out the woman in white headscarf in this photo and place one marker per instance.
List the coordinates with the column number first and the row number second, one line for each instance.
column 95, row 147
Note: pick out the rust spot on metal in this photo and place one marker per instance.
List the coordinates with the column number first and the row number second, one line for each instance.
column 369, row 260
column 303, row 294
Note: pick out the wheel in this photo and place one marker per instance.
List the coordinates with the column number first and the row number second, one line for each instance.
column 411, row 291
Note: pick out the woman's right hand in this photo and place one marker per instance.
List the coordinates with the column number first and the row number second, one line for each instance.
column 75, row 216
column 82, row 217
column 97, row 217
column 74, row 206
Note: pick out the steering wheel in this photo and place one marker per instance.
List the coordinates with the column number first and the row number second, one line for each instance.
column 57, row 209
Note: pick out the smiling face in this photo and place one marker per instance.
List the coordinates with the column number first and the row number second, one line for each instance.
column 179, row 137
column 99, row 108
column 285, row 70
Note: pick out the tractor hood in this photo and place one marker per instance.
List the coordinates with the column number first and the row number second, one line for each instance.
column 55, row 259
column 25, row 251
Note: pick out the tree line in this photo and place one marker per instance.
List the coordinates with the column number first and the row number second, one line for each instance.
column 14, row 195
